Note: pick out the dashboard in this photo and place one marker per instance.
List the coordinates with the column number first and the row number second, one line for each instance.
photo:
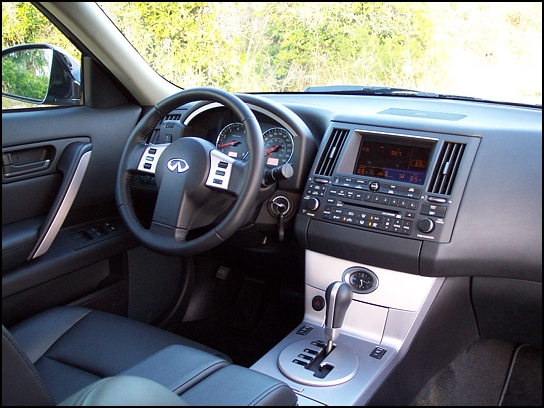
column 429, row 187
column 423, row 186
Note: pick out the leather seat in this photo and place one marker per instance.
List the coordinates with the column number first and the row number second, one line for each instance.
column 68, row 351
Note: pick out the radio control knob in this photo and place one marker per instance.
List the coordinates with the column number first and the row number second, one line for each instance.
column 312, row 203
column 374, row 186
column 425, row 225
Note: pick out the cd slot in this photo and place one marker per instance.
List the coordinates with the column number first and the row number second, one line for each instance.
column 388, row 212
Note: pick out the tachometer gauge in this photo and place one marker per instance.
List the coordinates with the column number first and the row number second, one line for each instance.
column 232, row 141
column 278, row 146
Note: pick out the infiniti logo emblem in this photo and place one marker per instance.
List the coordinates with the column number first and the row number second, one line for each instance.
column 179, row 165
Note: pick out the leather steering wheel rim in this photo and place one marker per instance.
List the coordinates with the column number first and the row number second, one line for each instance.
column 169, row 238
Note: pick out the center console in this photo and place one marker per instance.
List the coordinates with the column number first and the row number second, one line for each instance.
column 374, row 197
column 375, row 334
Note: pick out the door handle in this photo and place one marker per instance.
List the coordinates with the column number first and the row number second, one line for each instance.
column 11, row 170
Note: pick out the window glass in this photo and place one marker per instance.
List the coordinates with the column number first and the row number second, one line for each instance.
column 489, row 50
column 23, row 24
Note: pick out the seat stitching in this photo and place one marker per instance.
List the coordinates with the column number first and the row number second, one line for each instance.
column 31, row 367
column 201, row 372
column 66, row 330
column 266, row 392
column 74, row 366
column 145, row 359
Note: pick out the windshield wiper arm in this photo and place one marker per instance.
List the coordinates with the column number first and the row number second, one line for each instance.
column 366, row 90
column 383, row 90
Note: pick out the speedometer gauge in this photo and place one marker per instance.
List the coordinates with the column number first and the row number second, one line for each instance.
column 232, row 141
column 278, row 146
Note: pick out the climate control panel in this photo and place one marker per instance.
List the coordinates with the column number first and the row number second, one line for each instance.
column 392, row 208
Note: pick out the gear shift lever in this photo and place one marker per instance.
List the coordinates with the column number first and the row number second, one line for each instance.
column 338, row 297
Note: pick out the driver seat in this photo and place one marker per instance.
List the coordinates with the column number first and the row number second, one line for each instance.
column 65, row 354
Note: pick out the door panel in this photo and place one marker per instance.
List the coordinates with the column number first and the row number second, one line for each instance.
column 43, row 262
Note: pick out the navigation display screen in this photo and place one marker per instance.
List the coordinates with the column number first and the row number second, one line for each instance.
column 393, row 161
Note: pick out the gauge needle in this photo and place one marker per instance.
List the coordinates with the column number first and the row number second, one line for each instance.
column 234, row 143
column 272, row 149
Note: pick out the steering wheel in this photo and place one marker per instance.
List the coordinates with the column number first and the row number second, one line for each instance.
column 196, row 183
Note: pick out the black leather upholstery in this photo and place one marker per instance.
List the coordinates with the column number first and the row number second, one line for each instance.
column 124, row 391
column 21, row 383
column 235, row 385
column 56, row 354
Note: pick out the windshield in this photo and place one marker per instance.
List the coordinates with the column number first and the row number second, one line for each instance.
column 483, row 50
column 491, row 51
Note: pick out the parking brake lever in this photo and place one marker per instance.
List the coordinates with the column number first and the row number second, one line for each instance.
column 338, row 297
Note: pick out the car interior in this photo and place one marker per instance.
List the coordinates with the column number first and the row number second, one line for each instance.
column 163, row 246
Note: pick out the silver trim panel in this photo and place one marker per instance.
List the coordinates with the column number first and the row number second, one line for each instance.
column 64, row 208
column 148, row 161
column 220, row 170
column 388, row 319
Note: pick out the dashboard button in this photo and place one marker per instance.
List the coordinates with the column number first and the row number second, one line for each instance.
column 318, row 303
column 438, row 200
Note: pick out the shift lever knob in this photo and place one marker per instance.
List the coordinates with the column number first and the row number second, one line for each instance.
column 338, row 297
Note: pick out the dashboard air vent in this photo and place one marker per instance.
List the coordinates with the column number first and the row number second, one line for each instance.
column 331, row 153
column 172, row 117
column 446, row 168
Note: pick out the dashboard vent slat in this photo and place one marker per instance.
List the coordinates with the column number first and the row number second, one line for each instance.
column 331, row 153
column 446, row 168
column 172, row 117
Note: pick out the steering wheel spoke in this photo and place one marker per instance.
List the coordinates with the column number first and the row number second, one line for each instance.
column 148, row 156
column 226, row 173
column 174, row 208
column 172, row 234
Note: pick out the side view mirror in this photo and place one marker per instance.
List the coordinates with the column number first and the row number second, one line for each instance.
column 40, row 74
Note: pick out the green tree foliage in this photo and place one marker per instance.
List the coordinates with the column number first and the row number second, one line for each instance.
column 22, row 23
column 287, row 46
column 280, row 46
column 26, row 73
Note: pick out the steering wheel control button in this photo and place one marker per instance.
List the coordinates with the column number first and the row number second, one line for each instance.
column 304, row 330
column 378, row 353
column 318, row 303
column 220, row 170
column 150, row 158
